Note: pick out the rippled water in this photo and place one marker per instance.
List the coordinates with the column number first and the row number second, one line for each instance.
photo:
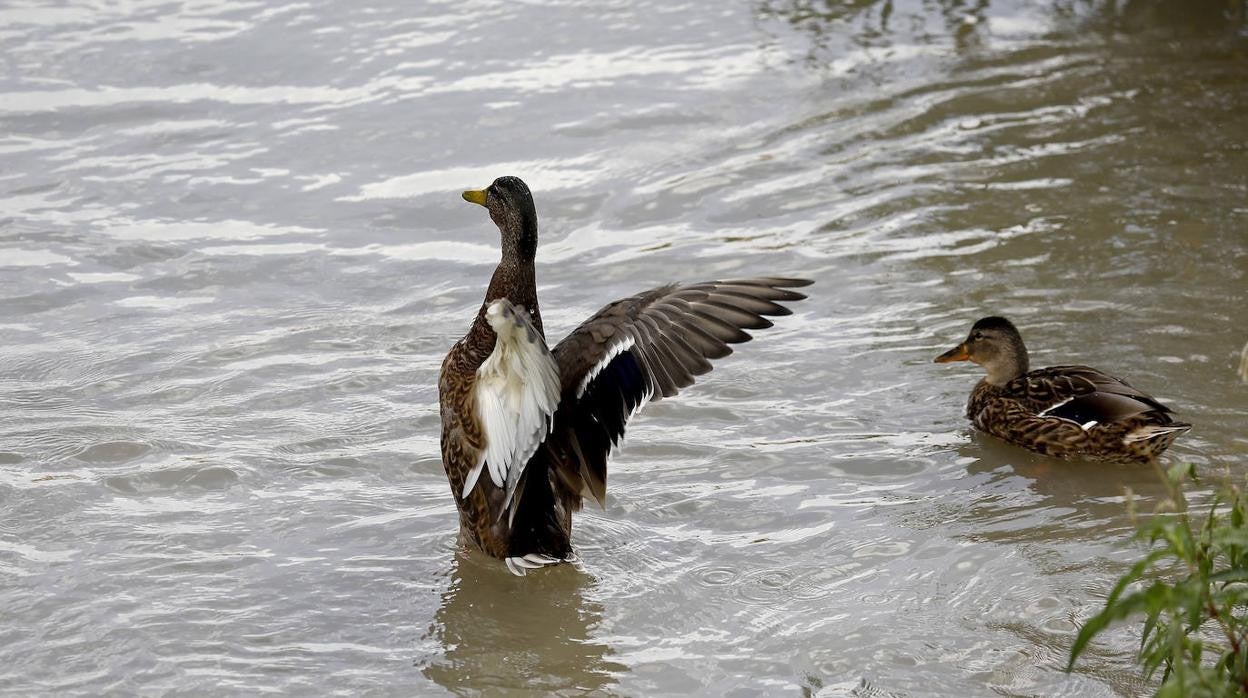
column 232, row 256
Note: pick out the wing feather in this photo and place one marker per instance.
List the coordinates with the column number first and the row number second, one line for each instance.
column 721, row 329
column 722, row 308
column 1082, row 394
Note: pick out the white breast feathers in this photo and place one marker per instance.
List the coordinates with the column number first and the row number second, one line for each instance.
column 517, row 392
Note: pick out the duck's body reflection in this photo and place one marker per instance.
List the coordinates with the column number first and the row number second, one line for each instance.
column 502, row 632
column 1028, row 498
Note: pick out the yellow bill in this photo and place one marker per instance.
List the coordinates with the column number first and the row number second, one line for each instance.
column 958, row 353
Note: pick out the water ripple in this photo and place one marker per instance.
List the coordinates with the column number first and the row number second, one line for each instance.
column 232, row 256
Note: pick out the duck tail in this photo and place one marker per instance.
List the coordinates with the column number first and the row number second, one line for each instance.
column 540, row 523
column 519, row 565
column 1153, row 432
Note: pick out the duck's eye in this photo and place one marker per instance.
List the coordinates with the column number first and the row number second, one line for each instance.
column 977, row 335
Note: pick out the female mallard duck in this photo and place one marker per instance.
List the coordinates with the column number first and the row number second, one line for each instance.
column 1062, row 411
column 539, row 424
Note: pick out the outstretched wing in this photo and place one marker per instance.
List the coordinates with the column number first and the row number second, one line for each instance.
column 644, row 348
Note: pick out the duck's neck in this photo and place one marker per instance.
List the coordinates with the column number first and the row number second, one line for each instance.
column 519, row 237
column 516, row 280
column 1009, row 365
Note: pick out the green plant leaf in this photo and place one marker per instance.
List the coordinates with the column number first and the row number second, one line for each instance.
column 1193, row 593
column 1154, row 596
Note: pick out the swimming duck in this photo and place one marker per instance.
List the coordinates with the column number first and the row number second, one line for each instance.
column 1061, row 411
column 526, row 430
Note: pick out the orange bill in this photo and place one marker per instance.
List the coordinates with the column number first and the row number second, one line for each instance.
column 957, row 353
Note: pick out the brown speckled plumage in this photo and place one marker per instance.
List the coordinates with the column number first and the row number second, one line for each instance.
column 1061, row 411
column 634, row 350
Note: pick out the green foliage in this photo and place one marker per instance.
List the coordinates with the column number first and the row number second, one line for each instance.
column 1192, row 589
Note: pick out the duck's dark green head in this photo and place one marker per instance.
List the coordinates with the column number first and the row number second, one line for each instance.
column 511, row 208
column 995, row 344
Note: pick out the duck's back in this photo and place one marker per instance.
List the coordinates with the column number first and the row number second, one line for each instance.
column 1081, row 394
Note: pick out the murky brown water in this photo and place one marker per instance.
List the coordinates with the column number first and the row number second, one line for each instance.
column 232, row 255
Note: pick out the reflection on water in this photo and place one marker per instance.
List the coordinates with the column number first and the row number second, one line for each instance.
column 233, row 255
column 1038, row 499
column 880, row 23
column 497, row 632
column 1154, row 17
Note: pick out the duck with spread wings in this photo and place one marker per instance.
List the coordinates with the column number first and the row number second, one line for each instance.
column 526, row 430
column 1061, row 411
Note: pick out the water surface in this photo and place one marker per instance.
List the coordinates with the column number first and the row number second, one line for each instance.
column 232, row 256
